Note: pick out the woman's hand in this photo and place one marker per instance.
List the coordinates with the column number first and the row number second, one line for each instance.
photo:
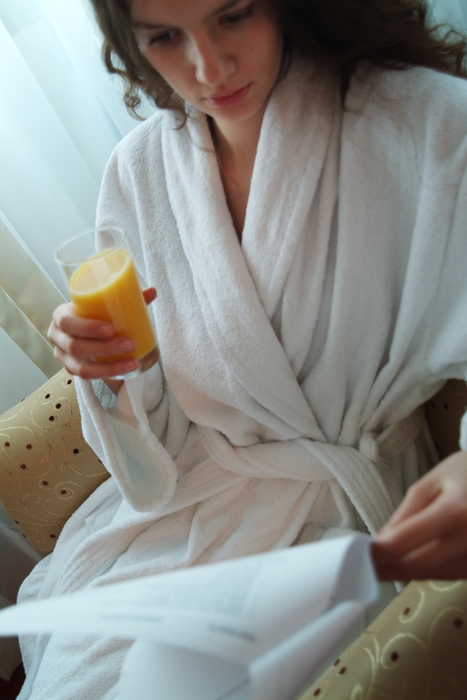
column 78, row 341
column 427, row 535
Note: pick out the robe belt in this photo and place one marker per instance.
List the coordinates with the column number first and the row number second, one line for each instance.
column 358, row 471
column 393, row 440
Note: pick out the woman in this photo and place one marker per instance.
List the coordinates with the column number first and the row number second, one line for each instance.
column 300, row 208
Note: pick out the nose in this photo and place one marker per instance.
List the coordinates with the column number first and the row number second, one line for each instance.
column 211, row 61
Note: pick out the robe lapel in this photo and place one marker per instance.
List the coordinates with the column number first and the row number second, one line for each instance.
column 238, row 291
column 289, row 164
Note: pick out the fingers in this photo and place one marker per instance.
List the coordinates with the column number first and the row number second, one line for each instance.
column 440, row 559
column 418, row 497
column 433, row 505
column 78, row 341
column 89, row 347
column 66, row 321
column 89, row 369
column 428, row 542
column 421, row 527
column 427, row 536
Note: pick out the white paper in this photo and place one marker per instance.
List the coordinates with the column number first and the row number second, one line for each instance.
column 253, row 628
column 180, row 673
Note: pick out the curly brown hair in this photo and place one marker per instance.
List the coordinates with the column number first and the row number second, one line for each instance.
column 394, row 34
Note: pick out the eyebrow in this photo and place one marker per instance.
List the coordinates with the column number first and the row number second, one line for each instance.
column 230, row 4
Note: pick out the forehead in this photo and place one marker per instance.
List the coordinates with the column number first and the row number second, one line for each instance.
column 178, row 11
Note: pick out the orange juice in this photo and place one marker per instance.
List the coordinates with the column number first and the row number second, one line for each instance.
column 106, row 287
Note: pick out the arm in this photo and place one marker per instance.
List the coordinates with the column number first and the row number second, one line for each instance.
column 427, row 535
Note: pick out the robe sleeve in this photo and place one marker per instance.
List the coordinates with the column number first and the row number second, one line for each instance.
column 138, row 438
column 447, row 340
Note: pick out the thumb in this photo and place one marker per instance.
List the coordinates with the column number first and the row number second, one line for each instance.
column 149, row 295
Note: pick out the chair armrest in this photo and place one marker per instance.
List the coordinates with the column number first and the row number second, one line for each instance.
column 46, row 468
column 416, row 648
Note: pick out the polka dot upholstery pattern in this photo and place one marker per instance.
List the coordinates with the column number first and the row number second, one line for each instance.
column 46, row 468
column 416, row 649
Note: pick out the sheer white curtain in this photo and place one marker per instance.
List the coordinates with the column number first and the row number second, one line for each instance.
column 60, row 117
column 61, row 114
column 453, row 12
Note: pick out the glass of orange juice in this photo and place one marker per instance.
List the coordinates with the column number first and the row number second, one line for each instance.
column 103, row 284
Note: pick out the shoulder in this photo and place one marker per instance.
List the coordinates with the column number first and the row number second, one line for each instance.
column 429, row 105
column 427, row 89
column 133, row 150
column 133, row 184
column 133, row 165
column 417, row 80
column 416, row 88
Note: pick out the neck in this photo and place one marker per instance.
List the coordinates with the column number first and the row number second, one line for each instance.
column 236, row 144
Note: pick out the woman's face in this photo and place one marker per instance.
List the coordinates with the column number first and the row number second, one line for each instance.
column 221, row 56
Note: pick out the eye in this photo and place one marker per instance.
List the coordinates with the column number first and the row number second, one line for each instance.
column 162, row 38
column 239, row 17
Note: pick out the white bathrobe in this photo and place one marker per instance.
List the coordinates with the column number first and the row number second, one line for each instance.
column 284, row 406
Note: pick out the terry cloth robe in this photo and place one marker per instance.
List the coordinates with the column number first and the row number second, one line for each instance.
column 284, row 408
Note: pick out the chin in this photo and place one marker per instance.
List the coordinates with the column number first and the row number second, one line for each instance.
column 238, row 113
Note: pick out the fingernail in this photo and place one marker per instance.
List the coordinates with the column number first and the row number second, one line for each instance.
column 106, row 331
column 127, row 345
column 130, row 365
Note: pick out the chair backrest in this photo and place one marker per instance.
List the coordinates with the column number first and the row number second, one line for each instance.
column 443, row 413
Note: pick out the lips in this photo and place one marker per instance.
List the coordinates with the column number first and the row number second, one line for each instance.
column 229, row 99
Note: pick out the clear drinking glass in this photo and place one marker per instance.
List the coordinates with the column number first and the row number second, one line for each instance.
column 103, row 284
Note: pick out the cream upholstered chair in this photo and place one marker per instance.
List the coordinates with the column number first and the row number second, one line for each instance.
column 415, row 650
column 46, row 468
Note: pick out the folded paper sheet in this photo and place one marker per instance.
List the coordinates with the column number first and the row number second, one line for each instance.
column 252, row 628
